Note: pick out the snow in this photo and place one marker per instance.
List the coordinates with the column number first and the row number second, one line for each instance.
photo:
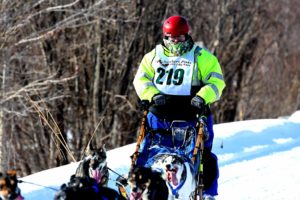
column 258, row 160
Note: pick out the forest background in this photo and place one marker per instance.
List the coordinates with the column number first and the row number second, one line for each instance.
column 67, row 66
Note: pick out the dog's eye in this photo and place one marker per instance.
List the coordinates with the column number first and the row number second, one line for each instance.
column 143, row 186
column 103, row 180
column 140, row 177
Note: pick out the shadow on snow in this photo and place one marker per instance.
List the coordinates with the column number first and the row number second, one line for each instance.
column 247, row 145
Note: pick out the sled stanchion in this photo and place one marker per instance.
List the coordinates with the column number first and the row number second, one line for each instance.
column 140, row 138
column 199, row 147
column 198, row 141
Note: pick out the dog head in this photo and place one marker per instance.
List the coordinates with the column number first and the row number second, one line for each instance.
column 147, row 184
column 94, row 165
column 9, row 189
column 139, row 180
column 174, row 168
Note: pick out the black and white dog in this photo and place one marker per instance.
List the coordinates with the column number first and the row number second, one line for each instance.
column 79, row 188
column 178, row 174
column 9, row 189
column 146, row 184
column 90, row 179
column 94, row 165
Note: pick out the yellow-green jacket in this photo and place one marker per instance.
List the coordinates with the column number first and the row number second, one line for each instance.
column 207, row 77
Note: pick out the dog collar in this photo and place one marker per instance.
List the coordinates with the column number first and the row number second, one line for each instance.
column 175, row 190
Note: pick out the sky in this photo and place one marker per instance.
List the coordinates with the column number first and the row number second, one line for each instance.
column 258, row 160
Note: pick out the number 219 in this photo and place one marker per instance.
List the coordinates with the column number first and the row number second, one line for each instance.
column 175, row 77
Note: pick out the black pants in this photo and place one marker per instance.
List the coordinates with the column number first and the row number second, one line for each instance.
column 210, row 168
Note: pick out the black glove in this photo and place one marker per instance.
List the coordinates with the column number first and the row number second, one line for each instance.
column 159, row 99
column 144, row 105
column 198, row 102
column 205, row 133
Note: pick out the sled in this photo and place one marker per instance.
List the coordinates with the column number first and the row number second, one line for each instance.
column 182, row 140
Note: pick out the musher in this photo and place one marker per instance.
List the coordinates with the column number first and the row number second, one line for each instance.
column 179, row 79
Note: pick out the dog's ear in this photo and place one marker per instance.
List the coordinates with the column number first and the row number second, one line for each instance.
column 103, row 147
column 89, row 149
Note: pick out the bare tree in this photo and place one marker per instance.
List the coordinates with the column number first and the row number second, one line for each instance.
column 55, row 102
column 67, row 68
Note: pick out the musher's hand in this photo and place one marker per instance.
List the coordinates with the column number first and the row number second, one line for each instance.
column 198, row 102
column 159, row 100
column 144, row 105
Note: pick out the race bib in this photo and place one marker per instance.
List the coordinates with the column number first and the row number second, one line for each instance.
column 173, row 75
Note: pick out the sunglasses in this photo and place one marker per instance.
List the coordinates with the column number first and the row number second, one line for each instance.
column 180, row 38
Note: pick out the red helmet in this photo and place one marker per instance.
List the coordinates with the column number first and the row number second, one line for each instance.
column 175, row 26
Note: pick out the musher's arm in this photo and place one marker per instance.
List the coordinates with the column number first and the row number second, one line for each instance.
column 210, row 73
column 142, row 82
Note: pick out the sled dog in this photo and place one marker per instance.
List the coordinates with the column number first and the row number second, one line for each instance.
column 94, row 165
column 178, row 174
column 9, row 189
column 146, row 184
